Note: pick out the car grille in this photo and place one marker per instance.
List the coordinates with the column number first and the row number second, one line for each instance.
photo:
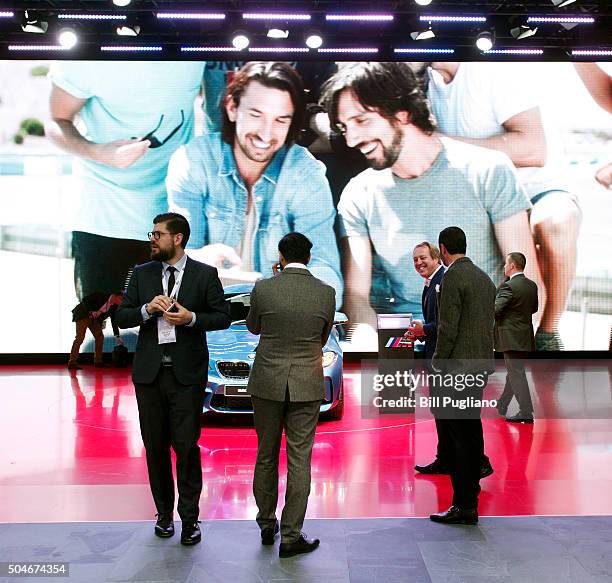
column 223, row 403
column 234, row 370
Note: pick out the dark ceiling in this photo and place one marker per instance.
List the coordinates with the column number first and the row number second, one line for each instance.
column 554, row 39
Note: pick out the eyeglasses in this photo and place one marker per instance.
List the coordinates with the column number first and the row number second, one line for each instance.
column 155, row 143
column 157, row 234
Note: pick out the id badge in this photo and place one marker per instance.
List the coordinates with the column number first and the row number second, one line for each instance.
column 166, row 333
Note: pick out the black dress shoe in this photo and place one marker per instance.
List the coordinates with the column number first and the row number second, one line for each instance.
column 300, row 546
column 486, row 470
column 164, row 527
column 520, row 418
column 455, row 515
column 435, row 467
column 191, row 534
column 268, row 534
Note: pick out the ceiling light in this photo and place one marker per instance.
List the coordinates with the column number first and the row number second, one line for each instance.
column 67, row 38
column 208, row 49
column 6, row 14
column 424, row 50
column 314, row 40
column 422, row 34
column 32, row 24
column 515, row 52
column 423, row 2
column 122, row 2
column 240, row 40
column 484, row 41
column 128, row 30
column 452, row 18
column 523, row 31
column 277, row 33
column 360, row 17
column 349, row 50
column 274, row 16
column 132, row 49
column 562, row 19
column 190, row 16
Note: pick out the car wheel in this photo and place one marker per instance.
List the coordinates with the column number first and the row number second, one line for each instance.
column 338, row 411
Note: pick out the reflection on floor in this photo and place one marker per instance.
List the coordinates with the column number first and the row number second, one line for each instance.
column 72, row 452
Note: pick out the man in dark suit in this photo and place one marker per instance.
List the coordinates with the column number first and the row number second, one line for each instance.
column 293, row 312
column 428, row 265
column 464, row 350
column 515, row 303
column 174, row 300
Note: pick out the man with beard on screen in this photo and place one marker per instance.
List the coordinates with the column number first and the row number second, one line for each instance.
column 247, row 186
column 417, row 185
column 174, row 300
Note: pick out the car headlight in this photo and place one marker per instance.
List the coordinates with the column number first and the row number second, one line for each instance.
column 329, row 358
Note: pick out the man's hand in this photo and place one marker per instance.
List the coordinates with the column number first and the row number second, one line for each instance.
column 415, row 330
column 604, row 176
column 159, row 304
column 121, row 153
column 217, row 255
column 180, row 317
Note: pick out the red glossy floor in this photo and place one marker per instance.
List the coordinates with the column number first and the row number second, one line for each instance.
column 71, row 451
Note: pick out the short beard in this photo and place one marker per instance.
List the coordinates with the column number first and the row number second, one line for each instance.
column 390, row 154
column 163, row 254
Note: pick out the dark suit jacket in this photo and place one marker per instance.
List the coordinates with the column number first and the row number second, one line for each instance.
column 429, row 304
column 294, row 314
column 516, row 301
column 200, row 292
column 465, row 320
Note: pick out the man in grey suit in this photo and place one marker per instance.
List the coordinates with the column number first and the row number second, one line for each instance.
column 464, row 350
column 293, row 312
column 515, row 303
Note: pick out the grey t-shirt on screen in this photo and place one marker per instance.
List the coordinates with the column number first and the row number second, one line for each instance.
column 467, row 186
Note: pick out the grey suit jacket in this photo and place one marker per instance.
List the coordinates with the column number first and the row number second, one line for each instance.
column 466, row 318
column 293, row 312
column 516, row 301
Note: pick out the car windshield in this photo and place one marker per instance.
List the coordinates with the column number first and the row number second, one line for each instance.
column 239, row 306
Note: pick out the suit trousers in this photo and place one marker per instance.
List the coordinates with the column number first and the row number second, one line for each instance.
column 460, row 430
column 299, row 420
column 516, row 383
column 169, row 414
column 81, row 328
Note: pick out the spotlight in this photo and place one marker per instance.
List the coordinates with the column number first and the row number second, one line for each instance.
column 32, row 24
column 240, row 40
column 423, row 34
column 484, row 41
column 562, row 3
column 278, row 33
column 314, row 40
column 422, row 2
column 522, row 31
column 122, row 2
column 67, row 38
column 128, row 30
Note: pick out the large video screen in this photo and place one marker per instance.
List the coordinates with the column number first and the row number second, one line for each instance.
column 519, row 155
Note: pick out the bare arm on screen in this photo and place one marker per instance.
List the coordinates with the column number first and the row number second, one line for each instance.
column 62, row 131
column 597, row 82
column 357, row 254
column 523, row 141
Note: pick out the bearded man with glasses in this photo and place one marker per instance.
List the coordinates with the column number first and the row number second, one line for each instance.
column 174, row 300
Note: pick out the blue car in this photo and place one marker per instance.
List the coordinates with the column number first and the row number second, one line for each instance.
column 232, row 353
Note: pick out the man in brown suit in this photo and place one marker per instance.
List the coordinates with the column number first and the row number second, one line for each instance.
column 515, row 303
column 293, row 312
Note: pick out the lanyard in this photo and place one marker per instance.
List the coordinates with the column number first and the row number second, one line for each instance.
column 177, row 283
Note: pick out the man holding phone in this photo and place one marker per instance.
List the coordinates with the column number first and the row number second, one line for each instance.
column 174, row 300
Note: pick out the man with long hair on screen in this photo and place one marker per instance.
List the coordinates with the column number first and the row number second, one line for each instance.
column 418, row 184
column 245, row 187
